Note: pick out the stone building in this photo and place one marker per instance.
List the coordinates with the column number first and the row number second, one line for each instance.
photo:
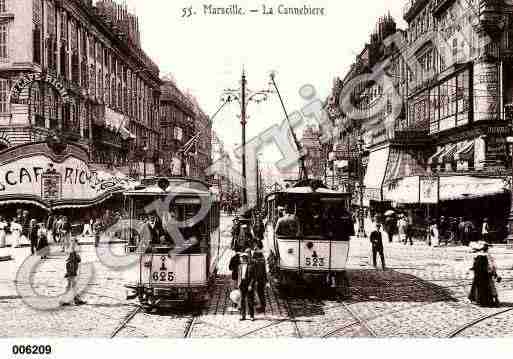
column 78, row 70
column 311, row 143
column 182, row 120
column 437, row 146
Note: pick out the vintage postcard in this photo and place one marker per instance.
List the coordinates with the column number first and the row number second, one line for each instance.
column 254, row 170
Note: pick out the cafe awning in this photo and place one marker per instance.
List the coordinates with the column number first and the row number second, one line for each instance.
column 463, row 187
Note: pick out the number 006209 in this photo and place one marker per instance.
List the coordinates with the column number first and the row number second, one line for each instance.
column 32, row 349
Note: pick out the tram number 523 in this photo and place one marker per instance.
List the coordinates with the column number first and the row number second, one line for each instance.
column 314, row 262
column 163, row 276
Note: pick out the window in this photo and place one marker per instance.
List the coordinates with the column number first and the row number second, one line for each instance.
column 37, row 44
column 178, row 133
column 3, row 6
column 4, row 96
column 3, row 42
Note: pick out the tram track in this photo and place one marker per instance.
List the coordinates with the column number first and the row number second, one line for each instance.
column 476, row 321
column 125, row 321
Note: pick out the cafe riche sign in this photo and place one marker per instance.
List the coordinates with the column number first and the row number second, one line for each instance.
column 35, row 173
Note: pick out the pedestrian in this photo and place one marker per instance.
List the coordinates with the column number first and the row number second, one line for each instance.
column 33, row 229
column 3, row 233
column 434, row 234
column 97, row 229
column 49, row 226
column 485, row 230
column 246, row 285
column 389, row 227
column 245, row 240
column 56, row 230
column 16, row 229
column 402, row 228
column 468, row 232
column 235, row 231
column 288, row 225
column 260, row 276
column 258, row 228
column 483, row 290
column 72, row 267
column 42, row 241
column 233, row 266
column 65, row 233
column 25, row 227
column 461, row 230
column 376, row 239
column 88, row 227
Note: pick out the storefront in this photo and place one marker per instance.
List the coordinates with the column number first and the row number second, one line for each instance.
column 54, row 175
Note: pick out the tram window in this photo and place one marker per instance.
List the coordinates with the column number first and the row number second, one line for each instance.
column 311, row 217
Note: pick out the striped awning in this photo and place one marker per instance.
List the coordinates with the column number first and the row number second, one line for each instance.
column 466, row 152
column 448, row 155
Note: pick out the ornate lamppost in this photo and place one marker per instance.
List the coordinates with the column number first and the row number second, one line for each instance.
column 244, row 96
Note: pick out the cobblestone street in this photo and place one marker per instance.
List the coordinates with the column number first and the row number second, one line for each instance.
column 422, row 294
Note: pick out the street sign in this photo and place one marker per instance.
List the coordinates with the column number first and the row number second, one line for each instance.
column 51, row 187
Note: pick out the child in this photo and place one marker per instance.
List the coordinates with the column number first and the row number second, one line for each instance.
column 72, row 264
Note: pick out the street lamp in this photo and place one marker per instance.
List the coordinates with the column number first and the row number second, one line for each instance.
column 244, row 96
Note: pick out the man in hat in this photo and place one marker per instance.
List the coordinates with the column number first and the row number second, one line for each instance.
column 289, row 224
column 247, row 278
column 235, row 231
column 72, row 267
column 377, row 245
column 260, row 275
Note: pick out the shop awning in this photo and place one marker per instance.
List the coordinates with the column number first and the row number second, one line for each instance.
column 404, row 190
column 375, row 174
column 448, row 155
column 433, row 160
column 463, row 187
column 466, row 152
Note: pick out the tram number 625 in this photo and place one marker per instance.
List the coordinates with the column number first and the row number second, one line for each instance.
column 314, row 262
column 163, row 276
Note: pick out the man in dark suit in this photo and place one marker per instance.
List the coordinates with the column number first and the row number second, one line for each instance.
column 377, row 245
column 152, row 233
column 247, row 277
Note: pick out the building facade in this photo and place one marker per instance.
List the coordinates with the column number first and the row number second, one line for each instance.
column 78, row 70
column 435, row 141
column 182, row 121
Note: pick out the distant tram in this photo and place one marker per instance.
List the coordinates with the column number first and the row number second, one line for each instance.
column 311, row 244
column 168, row 274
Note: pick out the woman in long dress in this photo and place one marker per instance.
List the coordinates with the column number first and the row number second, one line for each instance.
column 3, row 234
column 483, row 291
column 42, row 243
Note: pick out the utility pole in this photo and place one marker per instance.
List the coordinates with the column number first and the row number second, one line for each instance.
column 243, row 123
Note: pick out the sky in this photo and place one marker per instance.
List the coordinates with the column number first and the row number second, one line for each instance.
column 206, row 54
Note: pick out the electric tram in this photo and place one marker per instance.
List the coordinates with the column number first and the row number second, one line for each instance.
column 180, row 265
column 310, row 242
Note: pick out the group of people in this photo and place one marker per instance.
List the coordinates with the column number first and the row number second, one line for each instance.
column 248, row 265
column 441, row 231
